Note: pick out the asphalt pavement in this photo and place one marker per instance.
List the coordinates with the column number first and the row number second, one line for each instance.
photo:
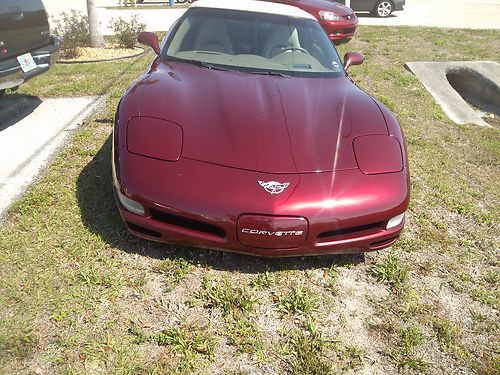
column 468, row 14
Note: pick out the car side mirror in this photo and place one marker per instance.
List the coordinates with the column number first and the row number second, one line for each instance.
column 149, row 39
column 353, row 58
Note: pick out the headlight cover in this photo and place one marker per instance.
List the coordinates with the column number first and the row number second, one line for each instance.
column 154, row 138
column 328, row 16
column 129, row 204
column 395, row 221
column 376, row 154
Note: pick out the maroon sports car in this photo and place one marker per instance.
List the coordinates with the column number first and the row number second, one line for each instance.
column 246, row 134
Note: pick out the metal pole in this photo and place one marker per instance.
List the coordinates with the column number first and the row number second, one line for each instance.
column 348, row 3
column 171, row 3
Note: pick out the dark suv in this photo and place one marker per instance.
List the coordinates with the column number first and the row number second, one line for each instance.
column 26, row 46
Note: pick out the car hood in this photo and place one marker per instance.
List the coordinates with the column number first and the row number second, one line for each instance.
column 261, row 123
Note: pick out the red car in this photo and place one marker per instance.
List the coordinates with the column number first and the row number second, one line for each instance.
column 338, row 20
column 246, row 134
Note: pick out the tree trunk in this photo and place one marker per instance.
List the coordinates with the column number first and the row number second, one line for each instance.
column 96, row 39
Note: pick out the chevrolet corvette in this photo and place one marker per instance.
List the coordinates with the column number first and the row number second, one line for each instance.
column 246, row 134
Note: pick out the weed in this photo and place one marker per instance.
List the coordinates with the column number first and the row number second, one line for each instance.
column 299, row 300
column 412, row 336
column 307, row 353
column 263, row 280
column 392, row 273
column 332, row 273
column 244, row 334
column 447, row 333
column 175, row 270
column 404, row 357
column 187, row 343
column 232, row 300
column 311, row 353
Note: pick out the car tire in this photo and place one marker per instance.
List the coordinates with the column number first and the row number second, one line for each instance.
column 383, row 8
column 2, row 93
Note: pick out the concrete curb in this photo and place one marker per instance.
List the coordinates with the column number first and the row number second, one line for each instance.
column 433, row 76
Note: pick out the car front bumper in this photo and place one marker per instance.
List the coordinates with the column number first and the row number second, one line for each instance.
column 198, row 204
column 340, row 31
column 11, row 74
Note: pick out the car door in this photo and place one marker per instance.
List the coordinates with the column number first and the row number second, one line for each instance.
column 23, row 27
column 360, row 5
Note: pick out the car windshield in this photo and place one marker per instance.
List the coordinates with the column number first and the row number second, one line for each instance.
column 253, row 42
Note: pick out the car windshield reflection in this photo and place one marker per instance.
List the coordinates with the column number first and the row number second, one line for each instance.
column 253, row 42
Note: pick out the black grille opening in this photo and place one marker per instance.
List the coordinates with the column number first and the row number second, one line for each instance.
column 344, row 231
column 383, row 242
column 183, row 222
column 142, row 230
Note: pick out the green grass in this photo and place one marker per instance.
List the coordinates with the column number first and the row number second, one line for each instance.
column 78, row 294
column 81, row 79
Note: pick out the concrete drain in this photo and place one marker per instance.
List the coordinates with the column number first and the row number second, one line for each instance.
column 475, row 89
column 466, row 90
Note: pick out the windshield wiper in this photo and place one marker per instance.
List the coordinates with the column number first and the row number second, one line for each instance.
column 271, row 73
column 199, row 63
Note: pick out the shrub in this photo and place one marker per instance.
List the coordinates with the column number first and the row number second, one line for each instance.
column 127, row 3
column 126, row 32
column 72, row 29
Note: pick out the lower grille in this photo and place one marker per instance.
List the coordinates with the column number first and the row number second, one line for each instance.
column 142, row 230
column 361, row 230
column 383, row 243
column 186, row 223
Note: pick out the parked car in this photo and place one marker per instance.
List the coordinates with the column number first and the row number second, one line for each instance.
column 246, row 134
column 380, row 8
column 26, row 47
column 338, row 21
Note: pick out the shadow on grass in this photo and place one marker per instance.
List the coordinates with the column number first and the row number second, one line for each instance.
column 100, row 215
